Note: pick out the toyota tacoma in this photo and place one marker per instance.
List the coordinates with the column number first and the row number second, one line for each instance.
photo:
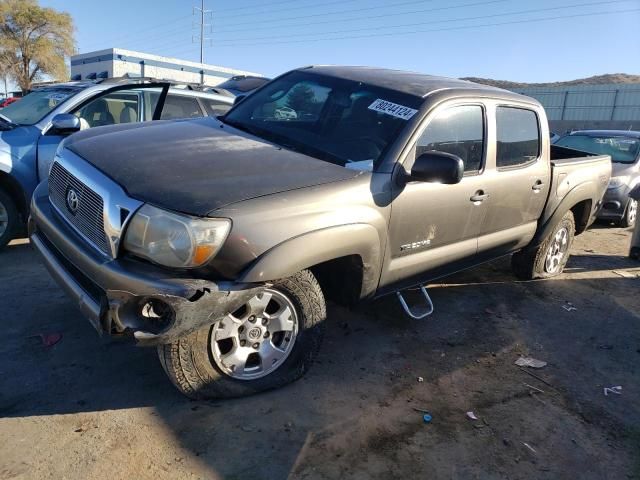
column 217, row 240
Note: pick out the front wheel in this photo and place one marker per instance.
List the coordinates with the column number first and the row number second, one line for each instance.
column 268, row 342
column 550, row 257
column 9, row 219
column 630, row 214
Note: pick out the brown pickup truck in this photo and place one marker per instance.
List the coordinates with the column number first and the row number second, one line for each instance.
column 218, row 240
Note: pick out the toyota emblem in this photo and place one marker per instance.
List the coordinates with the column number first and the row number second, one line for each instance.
column 73, row 201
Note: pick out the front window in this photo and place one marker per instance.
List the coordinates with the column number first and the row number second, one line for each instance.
column 336, row 120
column 621, row 149
column 37, row 105
column 457, row 130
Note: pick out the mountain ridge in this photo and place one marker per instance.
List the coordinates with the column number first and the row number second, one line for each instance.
column 608, row 78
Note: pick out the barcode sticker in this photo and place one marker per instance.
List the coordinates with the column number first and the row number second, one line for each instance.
column 393, row 109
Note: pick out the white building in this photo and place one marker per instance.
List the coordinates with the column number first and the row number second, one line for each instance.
column 116, row 62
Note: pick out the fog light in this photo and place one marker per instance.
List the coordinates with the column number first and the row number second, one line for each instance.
column 156, row 314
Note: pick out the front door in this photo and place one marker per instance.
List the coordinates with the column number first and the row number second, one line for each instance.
column 433, row 227
column 122, row 104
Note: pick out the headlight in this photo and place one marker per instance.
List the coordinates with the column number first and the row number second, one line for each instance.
column 175, row 240
column 617, row 182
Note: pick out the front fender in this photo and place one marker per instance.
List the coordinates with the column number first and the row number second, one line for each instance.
column 317, row 247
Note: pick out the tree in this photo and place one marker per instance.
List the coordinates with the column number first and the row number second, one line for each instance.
column 34, row 41
column 301, row 98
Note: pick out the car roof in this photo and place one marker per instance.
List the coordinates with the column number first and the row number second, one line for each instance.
column 412, row 83
column 612, row 133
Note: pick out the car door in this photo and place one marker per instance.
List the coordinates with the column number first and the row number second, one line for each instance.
column 121, row 104
column 517, row 179
column 434, row 227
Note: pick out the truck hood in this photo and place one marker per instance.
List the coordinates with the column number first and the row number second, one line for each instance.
column 198, row 166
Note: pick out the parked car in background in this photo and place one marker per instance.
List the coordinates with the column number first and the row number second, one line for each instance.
column 32, row 129
column 382, row 181
column 240, row 85
column 554, row 137
column 624, row 149
column 8, row 101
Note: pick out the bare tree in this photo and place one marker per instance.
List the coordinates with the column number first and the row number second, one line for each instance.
column 34, row 41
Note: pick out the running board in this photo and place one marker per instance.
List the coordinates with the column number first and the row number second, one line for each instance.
column 412, row 313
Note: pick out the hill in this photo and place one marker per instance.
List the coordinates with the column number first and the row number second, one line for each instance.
column 595, row 80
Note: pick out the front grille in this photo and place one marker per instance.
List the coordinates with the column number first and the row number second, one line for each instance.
column 88, row 218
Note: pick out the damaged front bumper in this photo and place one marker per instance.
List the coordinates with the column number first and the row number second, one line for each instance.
column 125, row 297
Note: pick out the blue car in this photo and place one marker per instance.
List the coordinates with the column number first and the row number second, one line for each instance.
column 32, row 129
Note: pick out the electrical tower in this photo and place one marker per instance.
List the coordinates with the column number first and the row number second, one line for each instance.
column 203, row 14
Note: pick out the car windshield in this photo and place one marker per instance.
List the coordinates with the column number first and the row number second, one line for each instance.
column 336, row 120
column 36, row 105
column 622, row 149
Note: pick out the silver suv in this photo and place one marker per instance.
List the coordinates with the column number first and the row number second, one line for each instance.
column 32, row 129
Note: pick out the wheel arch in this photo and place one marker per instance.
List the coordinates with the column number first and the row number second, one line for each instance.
column 11, row 187
column 352, row 251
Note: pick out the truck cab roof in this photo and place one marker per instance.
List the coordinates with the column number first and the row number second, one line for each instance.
column 412, row 83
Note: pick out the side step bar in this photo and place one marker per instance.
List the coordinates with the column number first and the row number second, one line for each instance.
column 420, row 312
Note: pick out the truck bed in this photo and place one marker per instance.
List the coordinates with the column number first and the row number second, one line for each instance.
column 578, row 173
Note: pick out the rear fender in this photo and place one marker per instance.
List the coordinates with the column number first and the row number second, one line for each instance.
column 581, row 193
column 321, row 246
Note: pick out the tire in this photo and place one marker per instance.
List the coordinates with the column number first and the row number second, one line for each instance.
column 9, row 219
column 630, row 214
column 532, row 263
column 198, row 368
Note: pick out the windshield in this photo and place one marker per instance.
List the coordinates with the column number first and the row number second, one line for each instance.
column 336, row 120
column 36, row 105
column 621, row 149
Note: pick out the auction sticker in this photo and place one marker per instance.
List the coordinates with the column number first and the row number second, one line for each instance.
column 393, row 109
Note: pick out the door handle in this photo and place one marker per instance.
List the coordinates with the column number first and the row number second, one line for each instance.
column 537, row 186
column 479, row 196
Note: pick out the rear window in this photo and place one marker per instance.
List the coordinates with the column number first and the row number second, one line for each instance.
column 179, row 106
column 621, row 149
column 518, row 137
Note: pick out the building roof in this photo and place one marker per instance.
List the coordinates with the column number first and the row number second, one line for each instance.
column 412, row 83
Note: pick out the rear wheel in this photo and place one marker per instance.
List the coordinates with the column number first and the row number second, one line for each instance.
column 268, row 342
column 630, row 214
column 9, row 218
column 551, row 256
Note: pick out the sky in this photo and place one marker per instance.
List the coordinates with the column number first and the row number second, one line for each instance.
column 518, row 40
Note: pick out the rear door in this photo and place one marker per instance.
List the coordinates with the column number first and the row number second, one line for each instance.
column 517, row 179
column 121, row 104
column 433, row 227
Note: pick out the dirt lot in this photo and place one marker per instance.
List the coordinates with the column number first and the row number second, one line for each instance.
column 83, row 409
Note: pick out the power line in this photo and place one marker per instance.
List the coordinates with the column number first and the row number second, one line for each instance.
column 138, row 33
column 288, row 9
column 246, row 7
column 366, row 17
column 353, row 10
column 465, row 27
column 481, row 17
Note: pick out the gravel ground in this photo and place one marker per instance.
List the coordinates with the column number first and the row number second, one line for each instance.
column 85, row 409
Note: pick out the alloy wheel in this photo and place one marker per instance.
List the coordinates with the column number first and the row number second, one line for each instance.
column 557, row 250
column 4, row 219
column 256, row 339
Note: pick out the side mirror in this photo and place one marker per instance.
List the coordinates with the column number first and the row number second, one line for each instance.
column 238, row 99
column 65, row 124
column 438, row 167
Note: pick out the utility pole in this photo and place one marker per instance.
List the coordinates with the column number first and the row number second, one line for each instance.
column 203, row 25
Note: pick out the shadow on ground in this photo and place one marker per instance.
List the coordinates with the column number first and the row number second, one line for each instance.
column 354, row 414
